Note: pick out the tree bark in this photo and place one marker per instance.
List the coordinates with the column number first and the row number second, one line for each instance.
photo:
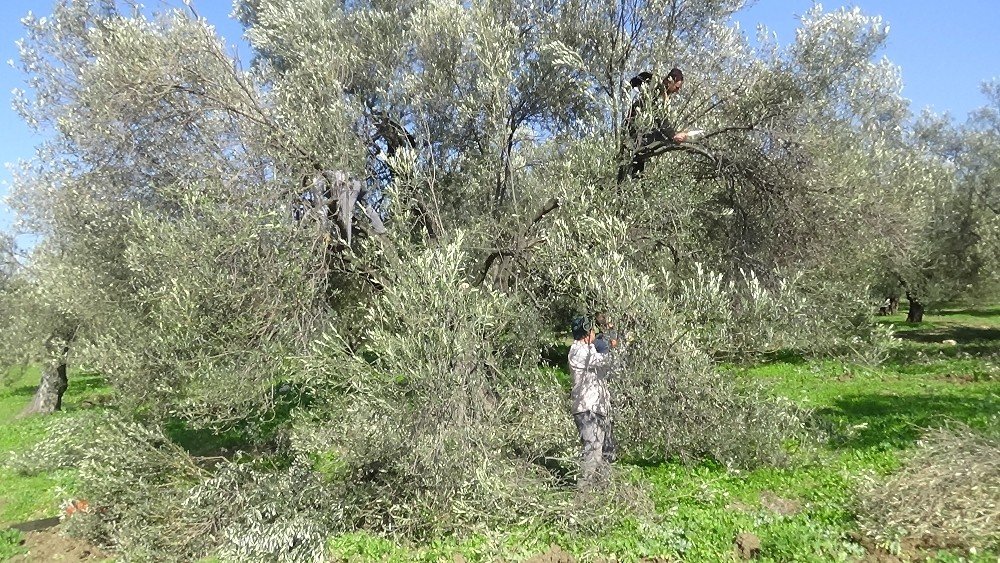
column 916, row 313
column 48, row 396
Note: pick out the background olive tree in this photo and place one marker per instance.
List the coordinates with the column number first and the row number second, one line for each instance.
column 949, row 251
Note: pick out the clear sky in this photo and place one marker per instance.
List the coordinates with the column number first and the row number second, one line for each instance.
column 946, row 49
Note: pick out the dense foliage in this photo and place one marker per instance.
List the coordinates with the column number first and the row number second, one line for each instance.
column 353, row 253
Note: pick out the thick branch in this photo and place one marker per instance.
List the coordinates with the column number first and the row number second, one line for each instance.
column 551, row 205
column 522, row 243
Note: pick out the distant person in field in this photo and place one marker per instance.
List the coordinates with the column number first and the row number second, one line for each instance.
column 591, row 400
column 883, row 309
column 650, row 125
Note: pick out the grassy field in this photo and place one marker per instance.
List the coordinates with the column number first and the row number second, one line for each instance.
column 872, row 417
column 23, row 497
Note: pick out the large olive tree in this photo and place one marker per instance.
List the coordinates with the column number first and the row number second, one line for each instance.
column 354, row 250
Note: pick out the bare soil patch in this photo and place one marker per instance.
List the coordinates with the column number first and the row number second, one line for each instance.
column 910, row 548
column 556, row 554
column 958, row 378
column 50, row 545
column 746, row 546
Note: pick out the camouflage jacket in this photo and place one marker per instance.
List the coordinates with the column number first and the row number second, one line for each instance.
column 589, row 370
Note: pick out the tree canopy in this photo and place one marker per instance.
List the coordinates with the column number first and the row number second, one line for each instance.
column 355, row 250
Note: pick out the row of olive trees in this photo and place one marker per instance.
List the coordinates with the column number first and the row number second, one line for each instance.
column 374, row 227
column 951, row 251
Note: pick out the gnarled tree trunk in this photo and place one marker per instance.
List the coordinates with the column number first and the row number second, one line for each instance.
column 48, row 396
column 916, row 314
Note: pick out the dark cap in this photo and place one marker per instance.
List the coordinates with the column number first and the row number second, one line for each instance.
column 640, row 79
column 582, row 326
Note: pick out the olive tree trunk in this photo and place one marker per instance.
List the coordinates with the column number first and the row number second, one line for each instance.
column 48, row 396
column 916, row 314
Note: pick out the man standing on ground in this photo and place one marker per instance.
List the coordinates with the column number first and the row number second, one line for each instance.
column 591, row 400
column 608, row 341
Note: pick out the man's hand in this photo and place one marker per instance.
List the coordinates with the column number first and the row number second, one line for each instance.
column 681, row 137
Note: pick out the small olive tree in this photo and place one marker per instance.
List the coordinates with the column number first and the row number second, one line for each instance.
column 43, row 323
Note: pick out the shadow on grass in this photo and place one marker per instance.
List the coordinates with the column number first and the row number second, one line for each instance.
column 21, row 391
column 78, row 384
column 960, row 334
column 981, row 313
column 974, row 341
column 786, row 356
column 946, row 364
column 890, row 421
column 256, row 435
column 83, row 382
column 205, row 442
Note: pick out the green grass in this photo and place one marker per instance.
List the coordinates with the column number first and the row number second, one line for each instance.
column 10, row 544
column 27, row 497
column 873, row 417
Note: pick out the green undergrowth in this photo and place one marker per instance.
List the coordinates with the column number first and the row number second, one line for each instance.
column 10, row 544
column 25, row 497
column 869, row 420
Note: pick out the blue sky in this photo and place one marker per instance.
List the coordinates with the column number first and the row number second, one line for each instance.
column 928, row 39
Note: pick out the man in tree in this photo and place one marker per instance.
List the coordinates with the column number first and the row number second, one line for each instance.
column 650, row 126
column 591, row 399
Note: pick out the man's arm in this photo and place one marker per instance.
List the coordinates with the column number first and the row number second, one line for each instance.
column 596, row 359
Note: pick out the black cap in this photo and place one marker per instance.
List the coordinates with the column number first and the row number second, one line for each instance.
column 581, row 327
column 640, row 79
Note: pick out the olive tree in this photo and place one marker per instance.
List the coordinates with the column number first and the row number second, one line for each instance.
column 352, row 251
column 42, row 324
column 978, row 198
column 950, row 252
